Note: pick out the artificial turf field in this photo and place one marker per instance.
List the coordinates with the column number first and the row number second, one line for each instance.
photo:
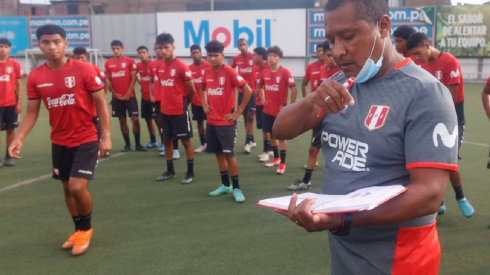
column 147, row 227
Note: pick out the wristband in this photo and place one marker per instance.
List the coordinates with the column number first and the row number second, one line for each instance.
column 344, row 229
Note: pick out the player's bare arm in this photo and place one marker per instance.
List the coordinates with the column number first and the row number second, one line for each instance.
column 247, row 93
column 127, row 96
column 191, row 90
column 294, row 94
column 261, row 90
column 485, row 99
column 204, row 99
column 453, row 89
column 28, row 122
column 304, row 83
column 104, row 119
column 423, row 197
column 18, row 92
column 297, row 118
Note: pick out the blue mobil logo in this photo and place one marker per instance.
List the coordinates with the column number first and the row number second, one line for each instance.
column 15, row 30
column 200, row 33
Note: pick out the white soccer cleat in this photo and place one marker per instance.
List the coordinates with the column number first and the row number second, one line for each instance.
column 247, row 148
column 200, row 149
column 264, row 158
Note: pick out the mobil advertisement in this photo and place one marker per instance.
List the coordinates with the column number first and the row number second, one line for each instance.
column 261, row 28
column 77, row 29
column 15, row 30
column 421, row 19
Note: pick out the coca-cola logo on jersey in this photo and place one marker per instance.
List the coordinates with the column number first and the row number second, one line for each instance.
column 145, row 78
column 118, row 74
column 272, row 88
column 5, row 78
column 64, row 100
column 198, row 80
column 217, row 91
column 167, row 83
column 245, row 70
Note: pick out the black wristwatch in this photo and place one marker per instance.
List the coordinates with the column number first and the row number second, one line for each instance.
column 344, row 230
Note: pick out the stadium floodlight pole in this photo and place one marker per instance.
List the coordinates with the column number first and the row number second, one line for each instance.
column 212, row 5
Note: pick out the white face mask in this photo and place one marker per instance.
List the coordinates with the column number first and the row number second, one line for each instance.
column 370, row 69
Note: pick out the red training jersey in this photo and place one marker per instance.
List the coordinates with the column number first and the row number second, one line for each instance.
column 157, row 88
column 100, row 73
column 325, row 73
column 312, row 74
column 10, row 71
column 119, row 71
column 446, row 68
column 66, row 93
column 245, row 69
column 197, row 75
column 144, row 70
column 220, row 91
column 172, row 77
column 258, row 73
column 276, row 86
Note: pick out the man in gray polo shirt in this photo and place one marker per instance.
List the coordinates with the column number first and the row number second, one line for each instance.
column 396, row 125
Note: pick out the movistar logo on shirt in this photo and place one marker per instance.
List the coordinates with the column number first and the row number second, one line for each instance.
column 449, row 140
column 351, row 154
column 118, row 74
column 217, row 91
column 62, row 101
column 272, row 88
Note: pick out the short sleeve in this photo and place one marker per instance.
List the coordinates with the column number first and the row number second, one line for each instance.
column 289, row 78
column 100, row 73
column 452, row 72
column 488, row 80
column 32, row 92
column 307, row 73
column 233, row 63
column 236, row 79
column 431, row 130
column 132, row 65
column 18, row 70
column 184, row 71
column 91, row 79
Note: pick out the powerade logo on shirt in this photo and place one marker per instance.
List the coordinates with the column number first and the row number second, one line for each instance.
column 351, row 154
column 201, row 33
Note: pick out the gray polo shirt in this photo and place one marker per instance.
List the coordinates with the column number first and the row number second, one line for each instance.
column 401, row 121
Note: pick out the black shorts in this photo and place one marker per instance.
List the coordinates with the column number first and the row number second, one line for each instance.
column 221, row 139
column 259, row 114
column 8, row 118
column 461, row 121
column 156, row 105
column 198, row 113
column 176, row 126
column 148, row 109
column 250, row 106
column 77, row 162
column 124, row 108
column 267, row 123
column 316, row 140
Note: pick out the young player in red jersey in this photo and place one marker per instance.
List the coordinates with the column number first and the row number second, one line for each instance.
column 218, row 94
column 70, row 90
column 401, row 35
column 10, row 96
column 198, row 67
column 260, row 64
column 328, row 69
column 121, row 73
column 486, row 106
column 244, row 63
column 148, row 111
column 177, row 92
column 445, row 67
column 81, row 54
column 313, row 72
column 275, row 83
